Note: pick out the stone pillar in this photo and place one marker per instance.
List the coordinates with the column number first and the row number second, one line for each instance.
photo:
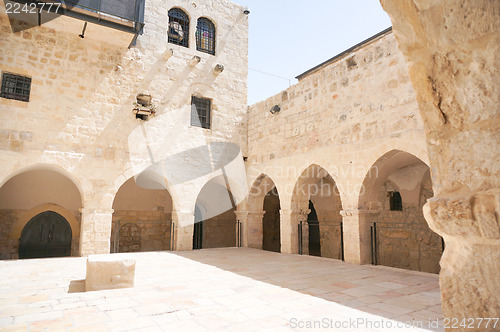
column 253, row 231
column 305, row 231
column 289, row 222
column 357, row 236
column 183, row 230
column 251, row 228
column 95, row 231
column 470, row 265
column 451, row 48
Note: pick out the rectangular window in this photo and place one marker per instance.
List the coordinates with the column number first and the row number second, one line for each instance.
column 15, row 87
column 200, row 112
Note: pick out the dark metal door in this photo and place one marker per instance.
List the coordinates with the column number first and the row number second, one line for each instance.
column 198, row 229
column 314, row 234
column 47, row 234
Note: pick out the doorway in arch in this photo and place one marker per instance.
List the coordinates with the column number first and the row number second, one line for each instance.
column 198, row 229
column 47, row 234
column 314, row 235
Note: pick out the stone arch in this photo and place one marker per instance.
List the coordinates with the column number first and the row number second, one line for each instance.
column 260, row 187
column 153, row 180
column 34, row 190
column 17, row 228
column 385, row 165
column 418, row 150
column 142, row 217
column 80, row 185
column 316, row 187
column 263, row 216
column 216, row 205
column 401, row 236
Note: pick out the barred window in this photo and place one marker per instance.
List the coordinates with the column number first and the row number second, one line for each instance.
column 178, row 27
column 200, row 112
column 15, row 87
column 395, row 201
column 205, row 36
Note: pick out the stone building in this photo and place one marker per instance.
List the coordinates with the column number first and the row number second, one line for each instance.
column 75, row 146
column 347, row 138
column 338, row 165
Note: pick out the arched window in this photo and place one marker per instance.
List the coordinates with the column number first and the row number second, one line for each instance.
column 178, row 27
column 205, row 36
column 395, row 201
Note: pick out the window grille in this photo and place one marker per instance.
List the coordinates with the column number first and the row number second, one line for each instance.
column 15, row 87
column 200, row 112
column 205, row 36
column 178, row 27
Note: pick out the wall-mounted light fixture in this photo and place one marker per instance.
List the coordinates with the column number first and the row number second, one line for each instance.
column 143, row 108
column 246, row 11
column 218, row 69
column 194, row 61
column 275, row 109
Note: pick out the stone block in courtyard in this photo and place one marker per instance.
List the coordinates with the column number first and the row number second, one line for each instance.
column 109, row 272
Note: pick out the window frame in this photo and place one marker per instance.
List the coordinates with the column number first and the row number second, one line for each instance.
column 196, row 119
column 16, row 82
column 179, row 16
column 205, row 25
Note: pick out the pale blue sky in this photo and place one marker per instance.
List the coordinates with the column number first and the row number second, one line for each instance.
column 288, row 37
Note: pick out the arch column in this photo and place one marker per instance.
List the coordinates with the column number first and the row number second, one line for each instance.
column 95, row 231
column 357, row 240
column 183, row 231
column 289, row 221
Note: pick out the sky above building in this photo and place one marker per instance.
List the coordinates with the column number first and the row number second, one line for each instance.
column 288, row 37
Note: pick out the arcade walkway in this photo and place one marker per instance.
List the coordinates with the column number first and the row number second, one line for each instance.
column 230, row 289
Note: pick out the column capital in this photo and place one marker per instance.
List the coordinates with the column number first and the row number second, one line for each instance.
column 471, row 217
column 183, row 212
column 183, row 218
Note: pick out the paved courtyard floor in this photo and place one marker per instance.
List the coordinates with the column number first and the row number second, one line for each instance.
column 230, row 289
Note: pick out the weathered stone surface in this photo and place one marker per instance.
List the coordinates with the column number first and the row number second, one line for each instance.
column 452, row 52
column 109, row 272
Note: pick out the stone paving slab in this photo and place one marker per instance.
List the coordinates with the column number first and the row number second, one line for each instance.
column 228, row 289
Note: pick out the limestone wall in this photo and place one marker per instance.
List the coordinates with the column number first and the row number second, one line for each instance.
column 79, row 119
column 134, row 231
column 337, row 121
column 351, row 101
column 341, row 117
column 220, row 231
